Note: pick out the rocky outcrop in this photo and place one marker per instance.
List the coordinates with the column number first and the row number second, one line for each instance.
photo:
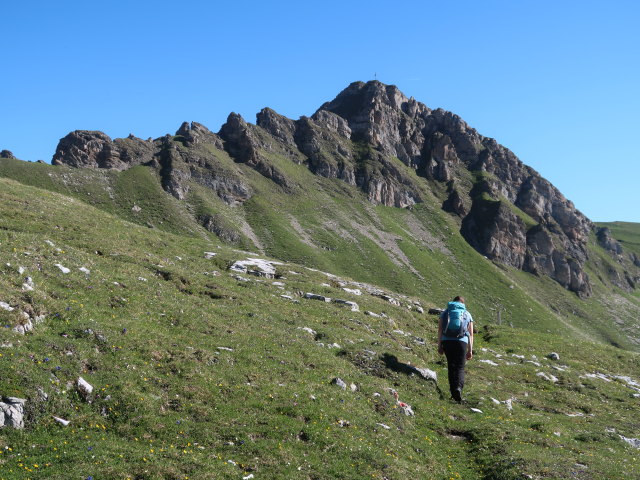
column 244, row 145
column 374, row 137
column 6, row 154
column 12, row 412
column 493, row 230
column 93, row 149
column 606, row 241
column 511, row 198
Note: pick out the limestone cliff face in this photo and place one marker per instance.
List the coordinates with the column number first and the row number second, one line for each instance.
column 373, row 137
column 441, row 147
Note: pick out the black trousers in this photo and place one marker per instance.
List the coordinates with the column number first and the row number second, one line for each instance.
column 456, row 353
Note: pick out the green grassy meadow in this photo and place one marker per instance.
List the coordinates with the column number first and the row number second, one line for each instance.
column 199, row 372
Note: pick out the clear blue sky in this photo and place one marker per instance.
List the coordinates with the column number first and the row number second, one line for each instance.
column 557, row 82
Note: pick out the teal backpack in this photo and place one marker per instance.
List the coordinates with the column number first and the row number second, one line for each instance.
column 456, row 323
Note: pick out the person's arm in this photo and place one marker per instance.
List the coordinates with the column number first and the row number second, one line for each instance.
column 470, row 349
column 440, row 349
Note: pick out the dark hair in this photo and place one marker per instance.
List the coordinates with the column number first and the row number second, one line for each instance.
column 459, row 299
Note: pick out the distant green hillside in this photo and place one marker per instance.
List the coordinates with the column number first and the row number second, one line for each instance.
column 332, row 227
column 199, row 371
column 628, row 234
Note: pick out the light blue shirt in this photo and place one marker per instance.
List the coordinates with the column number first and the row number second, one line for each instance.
column 466, row 317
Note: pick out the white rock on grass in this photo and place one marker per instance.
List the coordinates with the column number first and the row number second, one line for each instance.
column 354, row 306
column 476, row 410
column 634, row 442
column 28, row 285
column 353, row 291
column 307, row 329
column 12, row 412
column 209, row 255
column 85, row 270
column 313, row 296
column 488, row 362
column 63, row 269
column 371, row 314
column 84, row 387
column 425, row 373
column 547, row 376
column 553, row 356
column 339, row 383
column 61, row 421
column 259, row 266
column 6, row 306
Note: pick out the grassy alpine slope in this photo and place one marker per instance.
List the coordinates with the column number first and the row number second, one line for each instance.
column 201, row 372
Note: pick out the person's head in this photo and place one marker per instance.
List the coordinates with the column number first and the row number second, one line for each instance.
column 459, row 299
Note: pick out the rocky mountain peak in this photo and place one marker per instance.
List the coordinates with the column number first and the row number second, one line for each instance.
column 6, row 154
column 377, row 139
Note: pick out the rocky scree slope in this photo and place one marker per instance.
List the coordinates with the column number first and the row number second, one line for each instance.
column 393, row 148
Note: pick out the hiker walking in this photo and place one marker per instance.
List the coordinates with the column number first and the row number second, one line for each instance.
column 455, row 340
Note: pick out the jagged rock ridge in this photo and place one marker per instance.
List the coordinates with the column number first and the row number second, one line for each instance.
column 368, row 136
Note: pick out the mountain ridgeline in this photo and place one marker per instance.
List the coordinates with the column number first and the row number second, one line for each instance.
column 393, row 148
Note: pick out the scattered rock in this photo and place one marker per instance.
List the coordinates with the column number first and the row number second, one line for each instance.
column 435, row 311
column 353, row 387
column 547, row 376
column 6, row 306
column 209, row 255
column 28, row 285
column 313, row 296
column 61, row 421
column 371, row 314
column 386, row 427
column 634, row 442
column 425, row 373
column 84, row 270
column 488, row 362
column 309, row 330
column 354, row 306
column 25, row 327
column 12, row 412
column 63, row 269
column 553, row 356
column 353, row 291
column 391, row 300
column 476, row 410
column 7, row 154
column 339, row 383
column 260, row 267
column 84, row 388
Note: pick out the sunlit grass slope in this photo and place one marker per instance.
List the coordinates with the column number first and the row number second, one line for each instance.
column 201, row 372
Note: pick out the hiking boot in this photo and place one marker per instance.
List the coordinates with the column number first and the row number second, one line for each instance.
column 457, row 395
